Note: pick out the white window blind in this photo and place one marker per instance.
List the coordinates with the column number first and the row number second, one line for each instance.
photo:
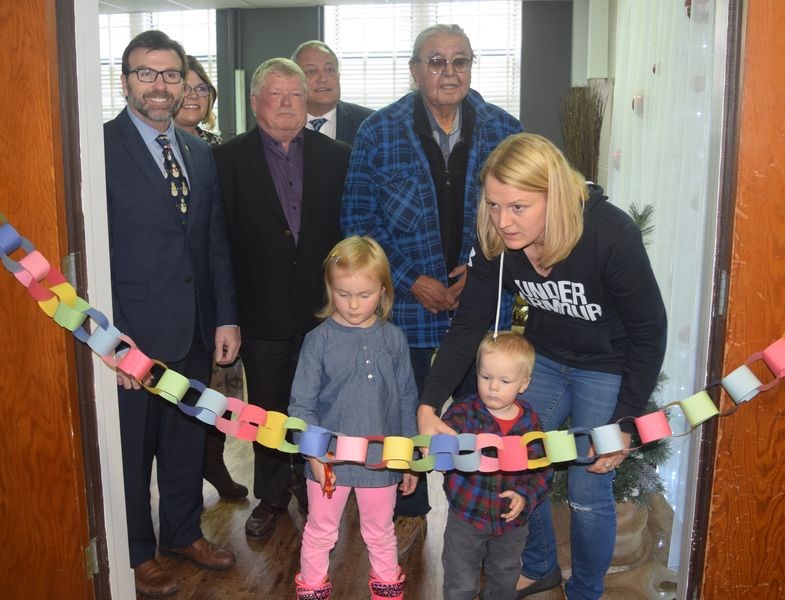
column 194, row 29
column 374, row 43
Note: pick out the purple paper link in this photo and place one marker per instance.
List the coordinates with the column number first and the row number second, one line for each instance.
column 442, row 448
column 10, row 240
column 13, row 266
column 442, row 442
column 83, row 335
column 314, row 441
column 99, row 317
column 582, row 431
column 192, row 411
column 443, row 461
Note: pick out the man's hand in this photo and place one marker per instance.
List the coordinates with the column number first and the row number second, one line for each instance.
column 430, row 424
column 129, row 383
column 457, row 287
column 434, row 295
column 227, row 344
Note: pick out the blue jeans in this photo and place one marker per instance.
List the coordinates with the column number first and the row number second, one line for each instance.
column 557, row 392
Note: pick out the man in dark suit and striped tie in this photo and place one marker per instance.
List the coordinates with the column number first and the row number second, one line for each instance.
column 327, row 113
column 173, row 294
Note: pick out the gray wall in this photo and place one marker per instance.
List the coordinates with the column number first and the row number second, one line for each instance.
column 246, row 38
column 546, row 48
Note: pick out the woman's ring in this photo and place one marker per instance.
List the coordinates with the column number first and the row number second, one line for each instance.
column 608, row 467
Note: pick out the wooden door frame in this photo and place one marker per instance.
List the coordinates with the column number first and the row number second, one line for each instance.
column 89, row 239
column 727, row 176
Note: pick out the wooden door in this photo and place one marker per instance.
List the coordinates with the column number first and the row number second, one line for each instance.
column 745, row 541
column 43, row 506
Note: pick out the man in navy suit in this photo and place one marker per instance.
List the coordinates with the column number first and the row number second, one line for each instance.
column 327, row 113
column 173, row 294
column 281, row 186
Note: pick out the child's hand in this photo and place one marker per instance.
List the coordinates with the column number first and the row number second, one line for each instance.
column 408, row 484
column 517, row 504
column 317, row 467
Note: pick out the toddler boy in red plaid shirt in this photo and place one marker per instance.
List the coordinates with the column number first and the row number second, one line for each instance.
column 488, row 518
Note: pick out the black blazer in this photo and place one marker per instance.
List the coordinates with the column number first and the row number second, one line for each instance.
column 162, row 271
column 279, row 283
column 348, row 119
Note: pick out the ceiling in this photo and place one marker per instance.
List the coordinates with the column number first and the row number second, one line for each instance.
column 129, row 6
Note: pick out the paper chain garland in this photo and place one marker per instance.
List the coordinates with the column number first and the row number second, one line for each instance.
column 463, row 452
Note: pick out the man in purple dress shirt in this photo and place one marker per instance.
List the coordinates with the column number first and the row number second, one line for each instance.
column 281, row 188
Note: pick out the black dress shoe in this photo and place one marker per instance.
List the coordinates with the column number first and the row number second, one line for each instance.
column 228, row 488
column 262, row 520
column 550, row 581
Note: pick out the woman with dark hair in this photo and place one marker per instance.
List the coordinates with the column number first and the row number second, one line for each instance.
column 197, row 107
column 198, row 101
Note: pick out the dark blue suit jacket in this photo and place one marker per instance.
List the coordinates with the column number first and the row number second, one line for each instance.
column 348, row 119
column 166, row 278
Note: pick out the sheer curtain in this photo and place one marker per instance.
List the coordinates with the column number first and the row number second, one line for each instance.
column 659, row 154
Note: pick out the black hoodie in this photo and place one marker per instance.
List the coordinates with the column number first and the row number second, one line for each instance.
column 600, row 309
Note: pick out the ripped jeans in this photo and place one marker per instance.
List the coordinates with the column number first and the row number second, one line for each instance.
column 557, row 392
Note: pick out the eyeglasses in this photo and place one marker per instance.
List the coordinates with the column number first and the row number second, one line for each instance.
column 146, row 75
column 437, row 64
column 200, row 90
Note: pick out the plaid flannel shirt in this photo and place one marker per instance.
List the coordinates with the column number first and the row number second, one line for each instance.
column 474, row 497
column 390, row 196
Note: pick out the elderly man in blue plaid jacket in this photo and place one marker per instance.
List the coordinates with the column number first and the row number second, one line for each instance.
column 413, row 186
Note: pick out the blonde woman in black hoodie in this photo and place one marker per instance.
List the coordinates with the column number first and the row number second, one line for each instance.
column 597, row 323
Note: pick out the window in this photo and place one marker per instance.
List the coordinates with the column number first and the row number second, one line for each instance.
column 194, row 29
column 374, row 44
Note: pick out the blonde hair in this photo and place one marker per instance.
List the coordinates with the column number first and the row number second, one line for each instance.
column 512, row 345
column 532, row 163
column 358, row 253
column 280, row 66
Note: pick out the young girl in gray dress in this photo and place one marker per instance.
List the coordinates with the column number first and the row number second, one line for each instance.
column 354, row 377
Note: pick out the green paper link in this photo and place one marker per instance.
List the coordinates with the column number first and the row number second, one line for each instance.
column 71, row 318
column 297, row 425
column 172, row 386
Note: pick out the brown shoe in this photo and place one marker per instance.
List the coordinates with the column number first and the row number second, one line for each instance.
column 262, row 520
column 203, row 554
column 408, row 530
column 152, row 580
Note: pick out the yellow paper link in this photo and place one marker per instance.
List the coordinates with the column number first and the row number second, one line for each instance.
column 397, row 452
column 149, row 388
column 71, row 317
column 294, row 424
column 49, row 306
column 526, row 439
column 66, row 292
column 272, row 433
